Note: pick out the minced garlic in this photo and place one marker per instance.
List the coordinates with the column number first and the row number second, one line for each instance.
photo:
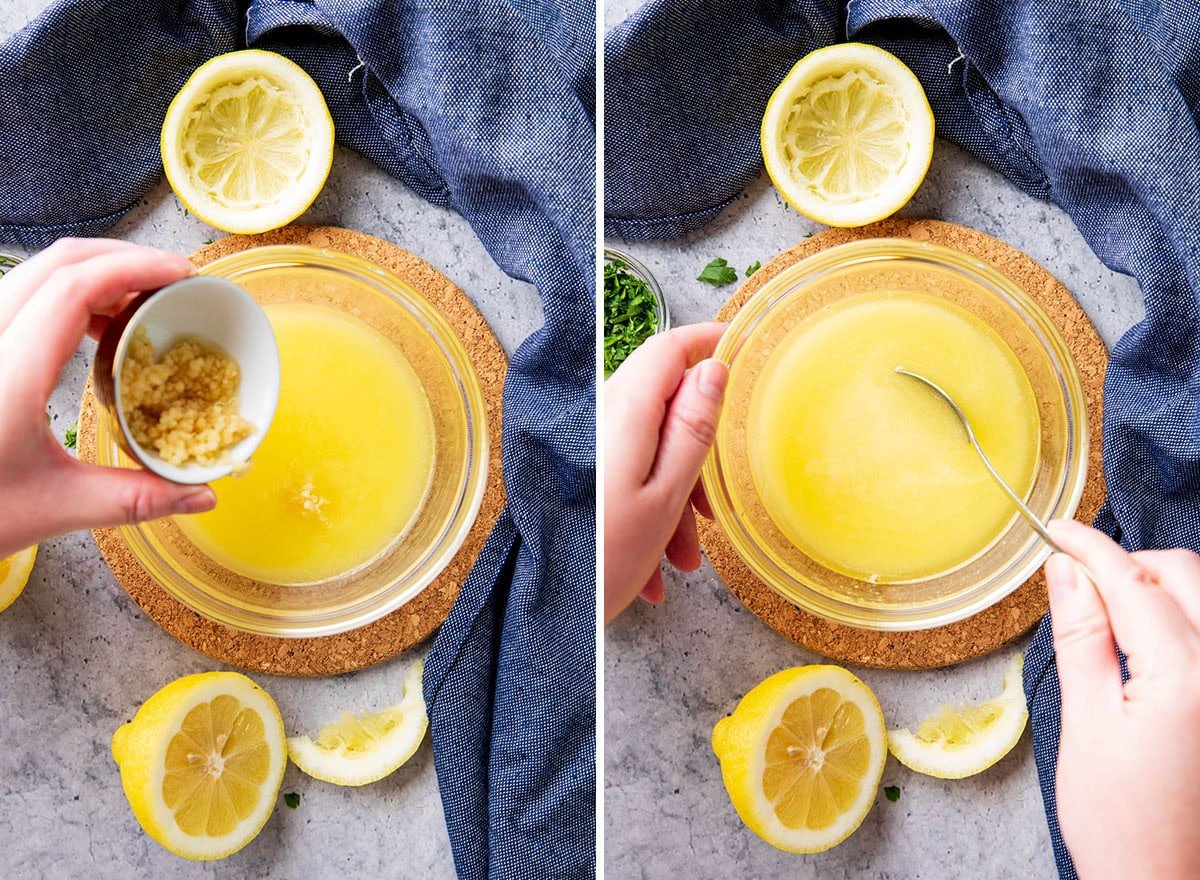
column 184, row 405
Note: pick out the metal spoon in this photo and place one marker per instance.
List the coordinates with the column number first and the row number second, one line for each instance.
column 1028, row 514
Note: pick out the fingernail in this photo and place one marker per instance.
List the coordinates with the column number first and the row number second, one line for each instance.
column 711, row 377
column 196, row 502
column 1061, row 576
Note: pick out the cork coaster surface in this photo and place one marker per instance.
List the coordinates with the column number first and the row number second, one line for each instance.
column 419, row 618
column 1014, row 615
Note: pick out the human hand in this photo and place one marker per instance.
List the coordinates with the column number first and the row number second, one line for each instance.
column 47, row 304
column 1129, row 755
column 660, row 418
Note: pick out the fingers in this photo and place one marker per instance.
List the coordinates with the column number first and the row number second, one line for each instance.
column 689, row 431
column 683, row 549
column 1177, row 572
column 638, row 394
column 654, row 592
column 1089, row 672
column 699, row 501
column 23, row 281
column 1147, row 622
column 46, row 331
column 102, row 497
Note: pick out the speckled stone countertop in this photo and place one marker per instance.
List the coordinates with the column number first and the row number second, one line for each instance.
column 77, row 657
column 671, row 671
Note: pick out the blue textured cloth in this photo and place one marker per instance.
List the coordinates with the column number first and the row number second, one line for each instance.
column 1091, row 105
column 482, row 107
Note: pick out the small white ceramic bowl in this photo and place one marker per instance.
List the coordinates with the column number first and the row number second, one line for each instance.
column 216, row 312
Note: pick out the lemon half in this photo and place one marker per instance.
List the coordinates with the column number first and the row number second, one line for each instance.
column 201, row 763
column 364, row 748
column 802, row 756
column 848, row 135
column 963, row 741
column 247, row 144
column 14, row 575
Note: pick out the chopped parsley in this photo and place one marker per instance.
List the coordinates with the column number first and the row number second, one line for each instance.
column 72, row 436
column 630, row 313
column 292, row 799
column 7, row 261
column 892, row 792
column 753, row 267
column 718, row 273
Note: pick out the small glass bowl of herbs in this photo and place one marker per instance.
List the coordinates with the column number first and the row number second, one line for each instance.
column 634, row 307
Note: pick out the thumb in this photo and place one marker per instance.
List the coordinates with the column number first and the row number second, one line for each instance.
column 106, row 497
column 689, row 429
column 1088, row 670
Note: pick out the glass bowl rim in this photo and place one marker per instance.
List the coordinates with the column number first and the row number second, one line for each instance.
column 642, row 271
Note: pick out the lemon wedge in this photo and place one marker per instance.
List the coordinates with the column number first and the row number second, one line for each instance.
column 364, row 748
column 848, row 135
column 802, row 756
column 201, row 763
column 14, row 575
column 247, row 144
column 963, row 741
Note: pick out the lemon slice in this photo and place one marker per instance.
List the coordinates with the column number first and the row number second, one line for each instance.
column 14, row 575
column 848, row 135
column 961, row 742
column 247, row 143
column 358, row 749
column 802, row 756
column 201, row 763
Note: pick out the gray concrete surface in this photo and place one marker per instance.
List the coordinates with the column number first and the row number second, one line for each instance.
column 77, row 657
column 670, row 672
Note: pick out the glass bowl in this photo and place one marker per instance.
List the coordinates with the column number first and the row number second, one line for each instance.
column 879, row 265
column 662, row 312
column 415, row 557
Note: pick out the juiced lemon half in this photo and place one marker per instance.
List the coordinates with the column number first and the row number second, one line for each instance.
column 14, row 575
column 247, row 144
column 848, row 135
column 364, row 748
column 201, row 763
column 963, row 741
column 802, row 756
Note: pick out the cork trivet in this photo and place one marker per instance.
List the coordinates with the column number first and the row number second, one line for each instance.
column 1009, row 618
column 419, row 618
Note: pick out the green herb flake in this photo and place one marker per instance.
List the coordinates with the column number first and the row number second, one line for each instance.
column 753, row 267
column 718, row 273
column 72, row 436
column 292, row 799
column 892, row 792
column 7, row 262
column 630, row 313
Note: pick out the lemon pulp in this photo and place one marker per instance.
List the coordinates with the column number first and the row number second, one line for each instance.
column 961, row 741
column 855, row 159
column 816, row 760
column 245, row 142
column 869, row 473
column 14, row 575
column 343, row 469
column 360, row 749
column 216, row 767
